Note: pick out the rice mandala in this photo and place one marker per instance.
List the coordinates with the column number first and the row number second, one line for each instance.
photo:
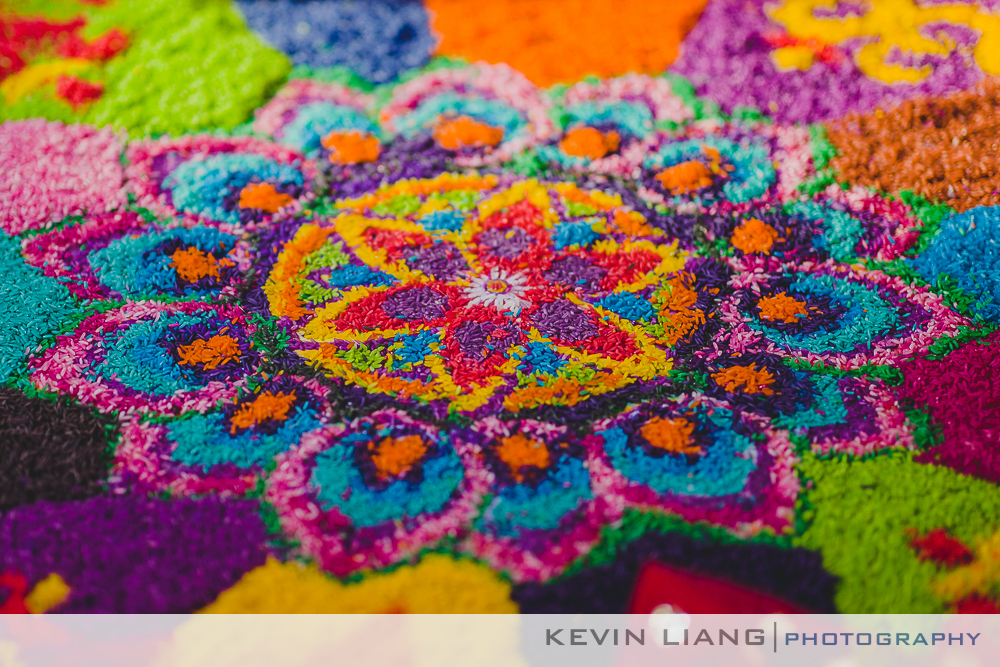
column 395, row 307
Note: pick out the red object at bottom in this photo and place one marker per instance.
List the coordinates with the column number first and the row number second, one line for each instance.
column 16, row 587
column 699, row 594
column 976, row 604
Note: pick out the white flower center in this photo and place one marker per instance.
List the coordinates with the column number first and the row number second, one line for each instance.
column 497, row 287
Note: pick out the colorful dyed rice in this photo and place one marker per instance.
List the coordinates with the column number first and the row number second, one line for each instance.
column 453, row 307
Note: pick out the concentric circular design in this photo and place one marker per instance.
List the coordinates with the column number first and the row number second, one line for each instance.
column 152, row 357
column 540, row 512
column 609, row 125
column 479, row 294
column 225, row 450
column 836, row 314
column 226, row 183
column 305, row 112
column 369, row 493
column 698, row 458
column 482, row 114
column 709, row 166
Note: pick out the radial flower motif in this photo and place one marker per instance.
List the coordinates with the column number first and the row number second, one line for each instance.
column 365, row 318
column 229, row 183
column 370, row 493
column 458, row 291
column 119, row 255
column 150, row 357
column 223, row 450
column 540, row 513
column 608, row 125
column 700, row 459
column 832, row 314
column 482, row 113
column 500, row 289
column 304, row 112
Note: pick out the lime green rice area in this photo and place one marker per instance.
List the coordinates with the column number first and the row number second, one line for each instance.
column 190, row 65
column 860, row 510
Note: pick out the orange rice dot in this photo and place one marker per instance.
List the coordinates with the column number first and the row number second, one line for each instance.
column 263, row 196
column 715, row 157
column 395, row 456
column 552, row 42
column 590, row 143
column 632, row 223
column 217, row 351
column 463, row 131
column 193, row 264
column 672, row 435
column 745, row 378
column 351, row 147
column 519, row 451
column 781, row 307
column 754, row 236
column 266, row 407
column 685, row 177
column 678, row 312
